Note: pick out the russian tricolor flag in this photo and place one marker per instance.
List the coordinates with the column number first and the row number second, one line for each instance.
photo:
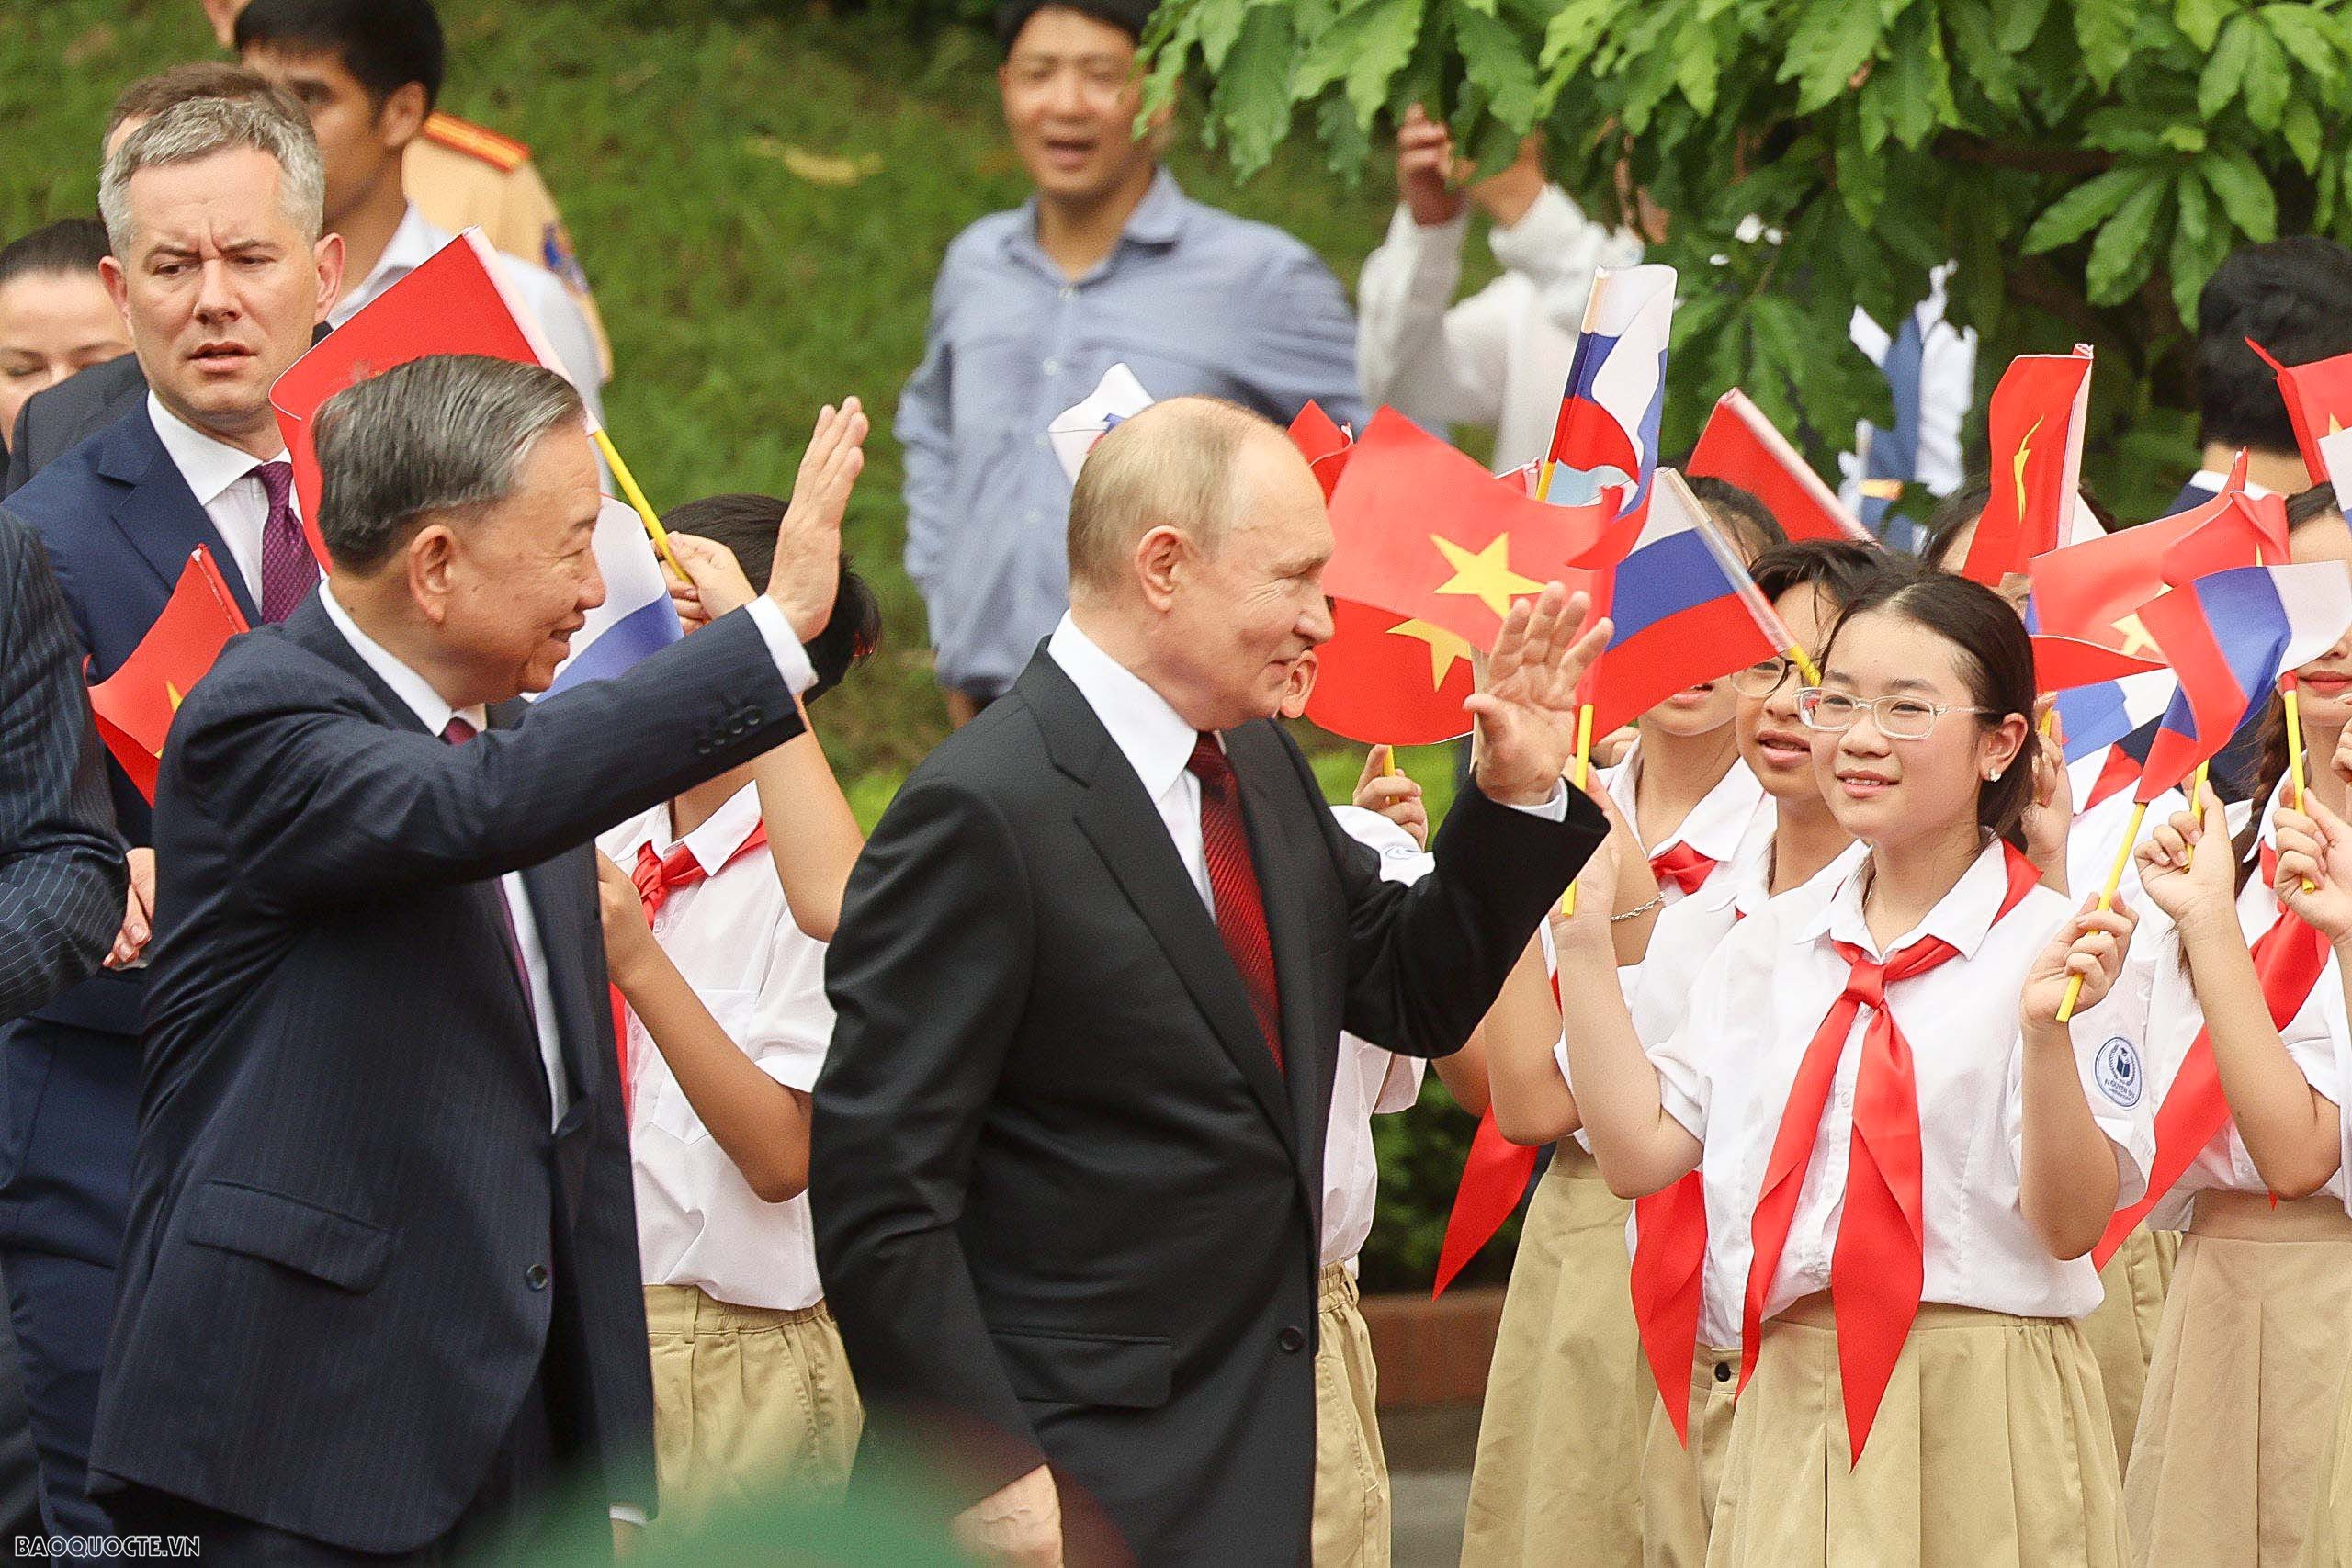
column 1607, row 431
column 2229, row 638
column 1684, row 610
column 636, row 619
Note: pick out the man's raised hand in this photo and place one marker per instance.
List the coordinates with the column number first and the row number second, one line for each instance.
column 1527, row 710
column 809, row 543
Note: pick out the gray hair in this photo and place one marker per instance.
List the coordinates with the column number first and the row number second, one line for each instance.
column 447, row 432
column 199, row 127
column 1174, row 463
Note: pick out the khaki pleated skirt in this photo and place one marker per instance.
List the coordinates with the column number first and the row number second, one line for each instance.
column 2122, row 1329
column 1557, row 1476
column 2328, row 1542
column 2242, row 1393
column 748, row 1402
column 1680, row 1484
column 1991, row 1450
column 1351, row 1469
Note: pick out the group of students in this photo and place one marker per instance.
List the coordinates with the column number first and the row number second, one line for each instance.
column 1811, row 1277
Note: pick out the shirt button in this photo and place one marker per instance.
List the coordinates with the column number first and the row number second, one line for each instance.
column 1069, row 292
column 1722, row 1371
column 1291, row 1340
column 536, row 1276
column 1052, row 367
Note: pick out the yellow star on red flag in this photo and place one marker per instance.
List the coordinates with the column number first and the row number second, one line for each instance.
column 1484, row 575
column 1444, row 647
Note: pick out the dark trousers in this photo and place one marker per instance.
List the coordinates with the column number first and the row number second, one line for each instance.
column 521, row 1506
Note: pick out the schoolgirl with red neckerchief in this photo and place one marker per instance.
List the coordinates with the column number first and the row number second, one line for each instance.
column 1906, row 1160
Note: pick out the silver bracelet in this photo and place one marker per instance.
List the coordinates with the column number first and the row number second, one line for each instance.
column 1638, row 911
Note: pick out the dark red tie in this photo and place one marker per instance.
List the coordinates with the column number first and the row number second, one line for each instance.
column 289, row 569
column 656, row 876
column 1683, row 866
column 1233, row 885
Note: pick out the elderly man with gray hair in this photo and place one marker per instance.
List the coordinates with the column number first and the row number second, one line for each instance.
column 379, row 1294
column 212, row 209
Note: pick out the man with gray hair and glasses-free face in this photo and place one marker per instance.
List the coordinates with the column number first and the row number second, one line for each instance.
column 212, row 209
column 379, row 1294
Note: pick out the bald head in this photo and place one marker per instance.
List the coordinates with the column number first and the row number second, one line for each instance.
column 1181, row 464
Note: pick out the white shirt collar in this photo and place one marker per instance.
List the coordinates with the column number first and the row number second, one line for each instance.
column 1717, row 827
column 412, row 244
column 411, row 688
column 1961, row 917
column 1157, row 742
column 714, row 844
column 209, row 463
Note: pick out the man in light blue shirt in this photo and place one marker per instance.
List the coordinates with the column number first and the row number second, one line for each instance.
column 1108, row 261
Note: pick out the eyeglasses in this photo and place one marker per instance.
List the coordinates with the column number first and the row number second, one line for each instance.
column 1897, row 718
column 1762, row 678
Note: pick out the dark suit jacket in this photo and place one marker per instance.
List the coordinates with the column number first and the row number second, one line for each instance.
column 55, row 421
column 61, row 863
column 118, row 523
column 1064, row 1197
column 347, row 1203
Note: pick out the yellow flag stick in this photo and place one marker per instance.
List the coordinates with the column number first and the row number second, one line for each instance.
column 2295, row 752
column 636, row 497
column 2196, row 794
column 1795, row 656
column 1583, row 772
column 2107, row 899
column 1388, row 762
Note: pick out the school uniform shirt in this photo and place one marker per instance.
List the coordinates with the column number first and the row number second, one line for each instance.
column 1728, row 823
column 1725, row 1076
column 1371, row 1081
column 1501, row 356
column 2097, row 832
column 1657, row 990
column 2313, row 1038
column 731, row 935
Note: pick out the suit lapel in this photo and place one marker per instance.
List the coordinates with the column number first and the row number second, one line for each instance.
column 1272, row 813
column 1126, row 831
column 559, row 910
column 156, row 511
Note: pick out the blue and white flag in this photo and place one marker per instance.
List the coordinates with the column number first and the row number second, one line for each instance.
column 636, row 619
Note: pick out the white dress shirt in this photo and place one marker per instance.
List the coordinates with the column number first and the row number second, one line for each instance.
column 732, row 936
column 1755, row 1004
column 568, row 332
column 1499, row 357
column 2313, row 1038
column 1371, row 1081
column 435, row 714
column 222, row 478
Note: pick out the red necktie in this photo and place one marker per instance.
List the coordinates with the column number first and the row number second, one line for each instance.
column 1877, row 1266
column 289, row 569
column 1233, row 885
column 656, row 876
column 1683, row 866
column 2288, row 958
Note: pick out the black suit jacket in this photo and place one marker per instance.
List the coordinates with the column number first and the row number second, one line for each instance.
column 60, row 863
column 1064, row 1197
column 53, row 423
column 351, row 1228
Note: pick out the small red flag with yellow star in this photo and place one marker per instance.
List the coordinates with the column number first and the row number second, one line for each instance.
column 1426, row 533
column 2035, row 420
column 136, row 704
column 2319, row 403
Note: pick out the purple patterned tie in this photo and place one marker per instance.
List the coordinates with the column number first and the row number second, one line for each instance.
column 289, row 569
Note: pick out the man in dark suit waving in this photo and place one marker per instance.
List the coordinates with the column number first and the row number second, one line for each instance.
column 1091, row 976
column 381, row 1287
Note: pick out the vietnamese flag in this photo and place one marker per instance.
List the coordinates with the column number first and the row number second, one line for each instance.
column 1388, row 679
column 136, row 704
column 2036, row 422
column 2319, row 403
column 1740, row 446
column 1426, row 533
column 454, row 303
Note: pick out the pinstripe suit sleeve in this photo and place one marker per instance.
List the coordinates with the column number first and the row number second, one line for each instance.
column 62, row 875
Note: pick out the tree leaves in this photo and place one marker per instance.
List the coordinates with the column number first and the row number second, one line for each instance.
column 2086, row 162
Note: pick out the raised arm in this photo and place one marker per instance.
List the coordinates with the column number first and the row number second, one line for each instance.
column 2068, row 1178
column 62, row 873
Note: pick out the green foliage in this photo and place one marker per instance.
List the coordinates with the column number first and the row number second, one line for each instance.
column 2088, row 163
